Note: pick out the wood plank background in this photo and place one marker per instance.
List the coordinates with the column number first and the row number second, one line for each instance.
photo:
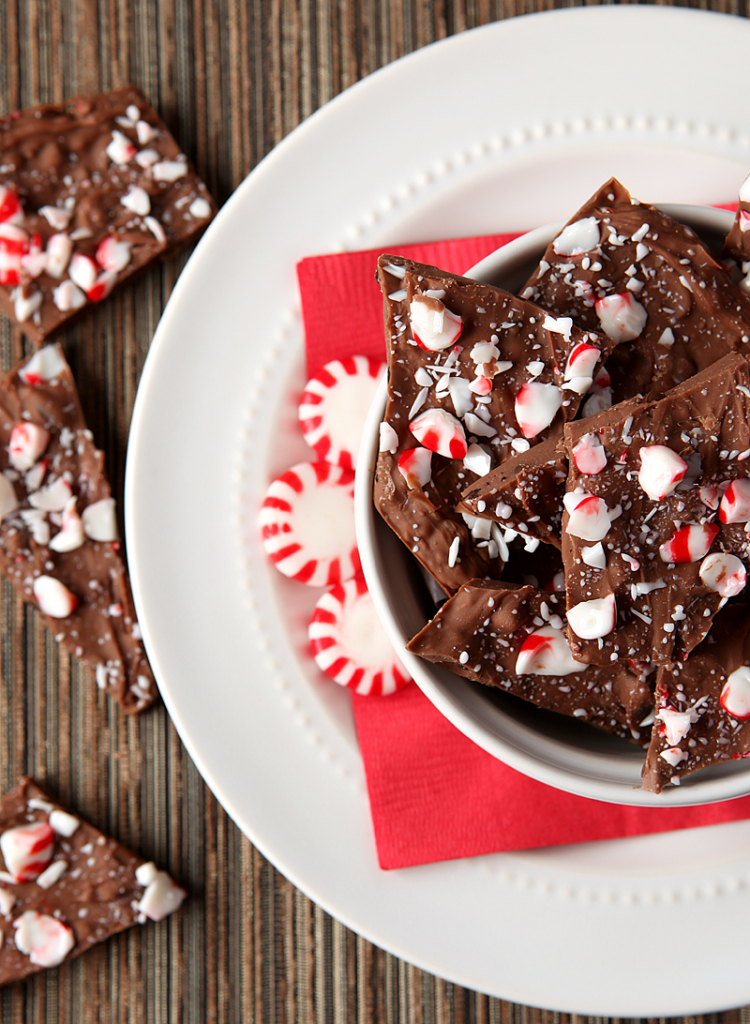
column 231, row 78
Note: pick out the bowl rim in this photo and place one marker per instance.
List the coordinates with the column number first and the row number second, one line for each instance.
column 548, row 760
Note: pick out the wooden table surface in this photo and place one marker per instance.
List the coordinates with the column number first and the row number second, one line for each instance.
column 231, row 78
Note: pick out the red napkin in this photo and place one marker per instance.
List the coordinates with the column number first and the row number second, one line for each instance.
column 434, row 794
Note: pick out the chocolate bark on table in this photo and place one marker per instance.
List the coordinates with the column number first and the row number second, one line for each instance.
column 524, row 493
column 65, row 886
column 628, row 269
column 703, row 704
column 58, row 529
column 513, row 638
column 91, row 192
column 655, row 529
column 491, row 375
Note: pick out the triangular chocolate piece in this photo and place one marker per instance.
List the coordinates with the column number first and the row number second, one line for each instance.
column 628, row 269
column 703, row 704
column 58, row 529
column 65, row 886
column 513, row 638
column 475, row 375
column 657, row 510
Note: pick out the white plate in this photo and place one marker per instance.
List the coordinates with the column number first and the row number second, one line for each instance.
column 500, row 128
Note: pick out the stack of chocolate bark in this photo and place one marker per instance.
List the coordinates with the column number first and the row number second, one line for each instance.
column 571, row 466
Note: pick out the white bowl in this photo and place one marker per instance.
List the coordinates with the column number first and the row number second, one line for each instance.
column 553, row 749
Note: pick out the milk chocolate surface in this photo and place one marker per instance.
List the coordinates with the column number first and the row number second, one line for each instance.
column 504, row 345
column 694, row 313
column 479, row 634
column 67, row 481
column 96, row 896
column 524, row 493
column 694, row 725
column 664, row 607
column 94, row 168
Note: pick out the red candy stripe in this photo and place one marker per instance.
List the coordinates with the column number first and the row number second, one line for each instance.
column 349, row 643
column 307, row 524
column 334, row 406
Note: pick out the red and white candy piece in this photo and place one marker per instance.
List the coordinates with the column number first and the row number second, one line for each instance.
column 68, row 296
column 689, row 543
column 307, row 524
column 45, row 365
column 536, row 405
column 113, row 254
column 589, row 517
column 27, row 443
column 577, row 238
column 44, row 939
column 53, row 597
column 27, row 849
column 433, row 325
column 723, row 573
column 11, row 211
column 591, row 620
column 83, row 270
column 120, row 150
column 622, row 317
column 14, row 244
column 437, row 430
column 735, row 503
column 589, row 455
column 334, row 407
column 661, row 470
column 735, row 694
column 674, row 724
column 415, row 465
column 546, row 652
column 579, row 370
column 349, row 643
column 70, row 536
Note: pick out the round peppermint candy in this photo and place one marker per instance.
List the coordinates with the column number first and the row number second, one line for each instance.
column 307, row 524
column 350, row 645
column 334, row 407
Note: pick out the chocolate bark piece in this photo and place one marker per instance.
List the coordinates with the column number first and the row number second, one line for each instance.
column 615, row 245
column 91, row 192
column 703, row 704
column 58, row 532
column 525, row 492
column 79, row 886
column 513, row 638
column 643, row 537
column 485, row 358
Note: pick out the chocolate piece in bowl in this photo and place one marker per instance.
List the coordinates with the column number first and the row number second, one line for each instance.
column 65, row 886
column 657, row 504
column 475, row 376
column 647, row 281
column 514, row 638
column 91, row 192
column 524, row 493
column 59, row 542
column 702, row 714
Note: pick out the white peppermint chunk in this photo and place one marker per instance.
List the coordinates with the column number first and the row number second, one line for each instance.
column 579, row 237
column 44, row 365
column 595, row 556
column 161, row 897
column 591, row 620
column 52, row 874
column 137, row 200
column 536, row 406
column 200, row 208
column 63, row 823
column 68, row 296
column 100, row 521
column 673, row 756
column 478, row 460
column 677, row 723
column 24, row 306
column 388, row 438
column 433, row 325
column 723, row 573
column 169, row 170
column 622, row 317
column 661, row 470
